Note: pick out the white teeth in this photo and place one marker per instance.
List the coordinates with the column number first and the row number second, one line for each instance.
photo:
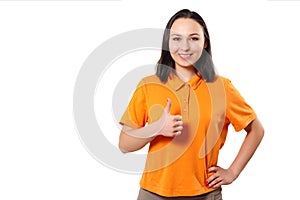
column 185, row 55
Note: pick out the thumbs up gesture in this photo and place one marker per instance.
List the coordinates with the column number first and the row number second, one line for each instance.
column 173, row 124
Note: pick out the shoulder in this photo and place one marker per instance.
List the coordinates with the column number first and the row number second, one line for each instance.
column 149, row 80
column 145, row 82
column 226, row 81
column 220, row 80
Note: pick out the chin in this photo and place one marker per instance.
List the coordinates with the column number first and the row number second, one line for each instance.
column 185, row 65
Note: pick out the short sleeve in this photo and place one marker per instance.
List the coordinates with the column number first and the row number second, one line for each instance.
column 238, row 112
column 135, row 114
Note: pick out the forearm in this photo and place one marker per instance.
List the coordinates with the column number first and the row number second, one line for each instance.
column 128, row 143
column 134, row 139
column 254, row 136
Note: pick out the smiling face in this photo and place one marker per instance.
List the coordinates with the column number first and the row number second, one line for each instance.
column 186, row 42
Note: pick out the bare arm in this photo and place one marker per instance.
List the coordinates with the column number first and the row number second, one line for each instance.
column 134, row 139
column 255, row 133
column 128, row 143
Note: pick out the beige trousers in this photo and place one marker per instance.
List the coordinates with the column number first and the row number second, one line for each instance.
column 214, row 195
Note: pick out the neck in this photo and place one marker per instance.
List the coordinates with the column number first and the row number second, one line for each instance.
column 185, row 73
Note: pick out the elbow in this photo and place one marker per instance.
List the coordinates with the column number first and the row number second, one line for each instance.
column 122, row 148
column 125, row 147
column 129, row 144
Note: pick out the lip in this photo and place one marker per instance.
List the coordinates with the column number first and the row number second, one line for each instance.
column 185, row 55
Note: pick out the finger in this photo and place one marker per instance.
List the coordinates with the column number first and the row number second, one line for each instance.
column 218, row 185
column 215, row 183
column 168, row 106
column 177, row 118
column 178, row 133
column 178, row 128
column 213, row 169
column 178, row 123
column 211, row 179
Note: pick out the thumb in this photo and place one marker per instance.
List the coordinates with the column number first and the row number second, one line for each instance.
column 168, row 106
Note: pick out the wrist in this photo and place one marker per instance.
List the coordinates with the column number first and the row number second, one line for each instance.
column 234, row 172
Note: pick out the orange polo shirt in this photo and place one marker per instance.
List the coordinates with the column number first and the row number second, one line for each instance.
column 177, row 166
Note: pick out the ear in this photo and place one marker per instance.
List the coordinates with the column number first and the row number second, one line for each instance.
column 205, row 44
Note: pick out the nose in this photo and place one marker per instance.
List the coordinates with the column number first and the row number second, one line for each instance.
column 185, row 46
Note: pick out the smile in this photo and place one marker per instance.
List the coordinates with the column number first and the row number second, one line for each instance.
column 184, row 55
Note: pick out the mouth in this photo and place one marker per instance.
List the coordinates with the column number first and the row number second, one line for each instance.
column 185, row 55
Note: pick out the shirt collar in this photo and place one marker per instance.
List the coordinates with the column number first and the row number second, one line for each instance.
column 176, row 83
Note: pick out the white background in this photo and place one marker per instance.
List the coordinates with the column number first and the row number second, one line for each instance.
column 44, row 44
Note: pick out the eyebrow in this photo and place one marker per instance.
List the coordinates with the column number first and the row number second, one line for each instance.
column 177, row 34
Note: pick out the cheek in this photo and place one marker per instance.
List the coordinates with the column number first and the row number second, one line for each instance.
column 196, row 47
column 174, row 56
column 173, row 47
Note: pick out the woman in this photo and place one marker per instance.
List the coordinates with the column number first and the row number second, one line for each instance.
column 184, row 111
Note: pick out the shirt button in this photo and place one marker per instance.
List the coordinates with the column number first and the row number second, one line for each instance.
column 185, row 110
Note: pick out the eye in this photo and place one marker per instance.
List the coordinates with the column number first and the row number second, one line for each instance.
column 175, row 38
column 195, row 38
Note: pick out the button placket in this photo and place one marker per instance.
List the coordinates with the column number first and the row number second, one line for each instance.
column 185, row 101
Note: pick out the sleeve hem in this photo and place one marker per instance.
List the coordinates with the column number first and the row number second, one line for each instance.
column 245, row 123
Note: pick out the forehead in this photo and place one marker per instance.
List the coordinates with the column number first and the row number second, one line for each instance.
column 186, row 26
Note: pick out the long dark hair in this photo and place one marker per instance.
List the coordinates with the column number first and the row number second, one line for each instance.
column 166, row 64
